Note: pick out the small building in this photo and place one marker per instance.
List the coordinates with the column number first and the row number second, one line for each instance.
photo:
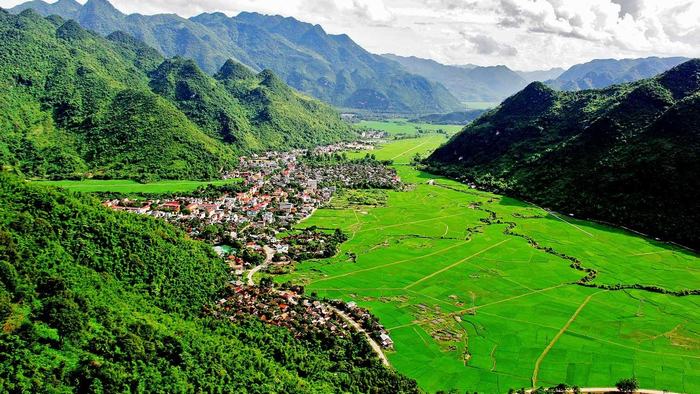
column 286, row 207
column 386, row 341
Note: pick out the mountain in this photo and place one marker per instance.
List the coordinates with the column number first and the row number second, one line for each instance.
column 329, row 67
column 77, row 104
column 541, row 75
column 454, row 118
column 627, row 154
column 601, row 73
column 93, row 300
column 468, row 83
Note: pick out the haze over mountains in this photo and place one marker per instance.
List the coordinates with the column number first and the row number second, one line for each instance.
column 601, row 73
column 627, row 154
column 329, row 67
column 495, row 83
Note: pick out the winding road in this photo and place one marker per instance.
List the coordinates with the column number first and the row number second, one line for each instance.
column 269, row 253
column 375, row 346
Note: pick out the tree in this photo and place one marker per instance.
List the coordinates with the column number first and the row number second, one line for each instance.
column 417, row 159
column 627, row 385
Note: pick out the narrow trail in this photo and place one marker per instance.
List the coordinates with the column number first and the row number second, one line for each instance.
column 554, row 340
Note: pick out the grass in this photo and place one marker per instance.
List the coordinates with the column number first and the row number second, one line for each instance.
column 128, row 186
column 484, row 311
column 481, row 104
column 403, row 127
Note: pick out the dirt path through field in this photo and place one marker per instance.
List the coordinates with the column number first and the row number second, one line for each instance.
column 561, row 332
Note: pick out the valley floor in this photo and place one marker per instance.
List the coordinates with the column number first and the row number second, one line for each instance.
column 472, row 304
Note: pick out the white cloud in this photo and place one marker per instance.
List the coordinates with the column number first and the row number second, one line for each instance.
column 524, row 34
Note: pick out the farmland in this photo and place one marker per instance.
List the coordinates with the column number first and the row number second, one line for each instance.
column 479, row 292
column 402, row 126
column 128, row 186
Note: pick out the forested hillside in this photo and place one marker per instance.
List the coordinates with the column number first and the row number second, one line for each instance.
column 77, row 104
column 627, row 154
column 329, row 67
column 96, row 301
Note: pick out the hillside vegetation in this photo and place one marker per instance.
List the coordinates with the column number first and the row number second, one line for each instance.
column 332, row 68
column 96, row 301
column 77, row 104
column 625, row 155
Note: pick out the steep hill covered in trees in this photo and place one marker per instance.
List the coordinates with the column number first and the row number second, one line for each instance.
column 627, row 154
column 75, row 103
column 95, row 301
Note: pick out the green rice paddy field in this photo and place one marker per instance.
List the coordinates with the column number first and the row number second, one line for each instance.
column 127, row 186
column 485, row 311
column 403, row 126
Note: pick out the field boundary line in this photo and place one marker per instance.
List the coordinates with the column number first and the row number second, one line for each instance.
column 454, row 264
column 403, row 224
column 412, row 149
column 571, row 224
column 390, row 264
column 561, row 332
column 516, row 297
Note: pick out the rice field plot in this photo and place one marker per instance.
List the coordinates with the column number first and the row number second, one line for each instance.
column 619, row 256
column 129, row 186
column 471, row 307
column 405, row 127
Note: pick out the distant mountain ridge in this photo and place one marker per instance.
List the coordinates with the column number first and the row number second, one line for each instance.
column 77, row 104
column 332, row 68
column 468, row 83
column 601, row 73
column 627, row 154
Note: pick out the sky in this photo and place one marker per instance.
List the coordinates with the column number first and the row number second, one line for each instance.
column 522, row 34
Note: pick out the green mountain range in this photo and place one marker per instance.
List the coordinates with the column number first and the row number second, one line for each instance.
column 601, row 73
column 627, row 154
column 96, row 301
column 78, row 104
column 332, row 68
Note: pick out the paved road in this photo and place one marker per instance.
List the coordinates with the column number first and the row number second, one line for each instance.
column 269, row 253
column 375, row 346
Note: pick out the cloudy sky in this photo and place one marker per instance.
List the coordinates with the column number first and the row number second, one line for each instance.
column 523, row 34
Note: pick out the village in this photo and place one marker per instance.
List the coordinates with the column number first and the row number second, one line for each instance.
column 251, row 222
column 287, row 306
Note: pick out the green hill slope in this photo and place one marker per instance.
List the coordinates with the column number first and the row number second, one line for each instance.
column 93, row 300
column 329, row 67
column 627, row 154
column 78, row 104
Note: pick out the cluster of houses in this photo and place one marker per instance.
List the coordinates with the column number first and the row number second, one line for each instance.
column 355, row 175
column 278, row 190
column 285, row 308
column 367, row 321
